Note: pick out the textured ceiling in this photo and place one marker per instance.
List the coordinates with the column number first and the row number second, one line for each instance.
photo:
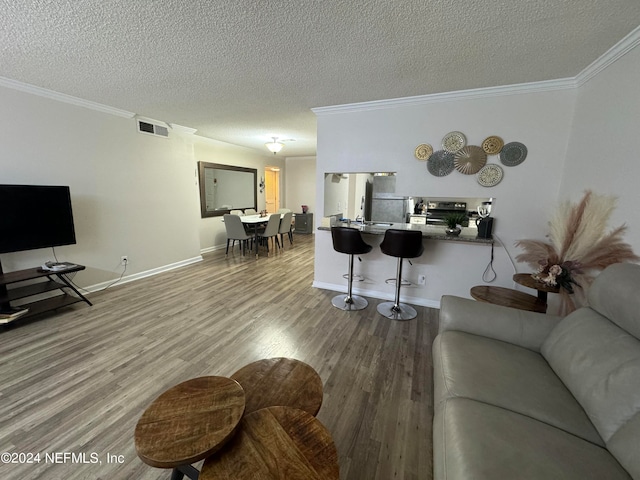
column 242, row 71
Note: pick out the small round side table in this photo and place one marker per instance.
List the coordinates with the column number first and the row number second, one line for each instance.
column 189, row 422
column 276, row 443
column 280, row 381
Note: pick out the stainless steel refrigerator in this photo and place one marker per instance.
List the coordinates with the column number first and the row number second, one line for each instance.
column 382, row 204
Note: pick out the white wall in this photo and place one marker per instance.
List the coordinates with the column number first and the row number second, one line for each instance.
column 132, row 194
column 603, row 152
column 384, row 139
column 300, row 184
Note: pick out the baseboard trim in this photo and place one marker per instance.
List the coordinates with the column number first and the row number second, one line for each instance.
column 212, row 249
column 145, row 274
column 424, row 302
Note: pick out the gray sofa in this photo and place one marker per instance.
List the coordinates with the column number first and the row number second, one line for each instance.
column 523, row 395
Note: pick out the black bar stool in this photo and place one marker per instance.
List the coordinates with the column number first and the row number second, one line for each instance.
column 349, row 240
column 402, row 244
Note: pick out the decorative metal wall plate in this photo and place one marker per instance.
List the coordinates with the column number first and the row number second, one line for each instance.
column 490, row 175
column 513, row 154
column 440, row 163
column 423, row 151
column 492, row 145
column 470, row 159
column 453, row 141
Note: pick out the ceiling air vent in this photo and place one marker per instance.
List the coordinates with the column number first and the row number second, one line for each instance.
column 152, row 129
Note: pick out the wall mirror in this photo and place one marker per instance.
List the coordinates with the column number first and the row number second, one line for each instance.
column 224, row 188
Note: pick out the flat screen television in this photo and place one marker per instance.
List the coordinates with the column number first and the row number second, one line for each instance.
column 35, row 216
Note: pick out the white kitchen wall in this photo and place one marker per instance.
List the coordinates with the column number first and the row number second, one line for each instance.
column 361, row 139
column 579, row 137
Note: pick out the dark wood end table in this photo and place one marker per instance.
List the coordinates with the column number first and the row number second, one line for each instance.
column 526, row 280
column 276, row 443
column 508, row 297
column 189, row 422
column 280, row 382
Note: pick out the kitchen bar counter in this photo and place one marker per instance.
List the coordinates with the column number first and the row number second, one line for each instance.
column 430, row 232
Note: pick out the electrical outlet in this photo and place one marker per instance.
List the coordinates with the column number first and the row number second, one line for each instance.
column 421, row 280
column 124, row 259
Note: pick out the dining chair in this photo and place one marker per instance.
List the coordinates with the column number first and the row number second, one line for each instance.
column 236, row 231
column 236, row 212
column 271, row 230
column 250, row 211
column 285, row 227
column 287, row 210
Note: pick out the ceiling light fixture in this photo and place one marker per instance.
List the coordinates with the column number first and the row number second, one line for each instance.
column 274, row 146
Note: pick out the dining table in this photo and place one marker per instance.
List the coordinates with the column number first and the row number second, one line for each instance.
column 256, row 220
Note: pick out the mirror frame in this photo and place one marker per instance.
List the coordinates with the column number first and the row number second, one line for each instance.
column 201, row 177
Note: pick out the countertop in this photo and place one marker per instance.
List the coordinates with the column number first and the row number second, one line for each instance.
column 431, row 232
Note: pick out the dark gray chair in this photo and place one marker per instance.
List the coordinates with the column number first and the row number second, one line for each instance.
column 271, row 231
column 236, row 231
column 285, row 227
column 349, row 240
column 401, row 244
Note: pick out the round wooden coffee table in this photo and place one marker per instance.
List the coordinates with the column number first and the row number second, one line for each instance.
column 189, row 422
column 280, row 382
column 276, row 443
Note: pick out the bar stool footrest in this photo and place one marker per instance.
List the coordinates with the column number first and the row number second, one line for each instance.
column 390, row 281
column 356, row 277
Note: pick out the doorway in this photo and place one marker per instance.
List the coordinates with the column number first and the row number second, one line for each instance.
column 272, row 188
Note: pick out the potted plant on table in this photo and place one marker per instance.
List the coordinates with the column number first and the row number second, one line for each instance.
column 454, row 222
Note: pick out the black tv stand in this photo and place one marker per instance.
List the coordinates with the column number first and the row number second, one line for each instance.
column 55, row 280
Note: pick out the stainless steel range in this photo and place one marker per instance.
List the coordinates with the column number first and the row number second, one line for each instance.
column 437, row 211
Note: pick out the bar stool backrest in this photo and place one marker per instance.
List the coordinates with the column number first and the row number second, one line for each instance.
column 349, row 240
column 402, row 243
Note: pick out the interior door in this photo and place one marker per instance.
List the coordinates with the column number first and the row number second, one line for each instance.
column 272, row 190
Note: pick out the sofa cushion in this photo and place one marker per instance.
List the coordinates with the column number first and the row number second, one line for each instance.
column 614, row 294
column 625, row 445
column 507, row 376
column 599, row 363
column 475, row 440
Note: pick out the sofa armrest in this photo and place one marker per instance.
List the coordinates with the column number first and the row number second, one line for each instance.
column 519, row 327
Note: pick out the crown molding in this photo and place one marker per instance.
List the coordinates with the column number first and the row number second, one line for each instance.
column 517, row 89
column 620, row 49
column 182, row 129
column 63, row 97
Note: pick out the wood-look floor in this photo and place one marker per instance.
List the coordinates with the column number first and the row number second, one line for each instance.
column 78, row 381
